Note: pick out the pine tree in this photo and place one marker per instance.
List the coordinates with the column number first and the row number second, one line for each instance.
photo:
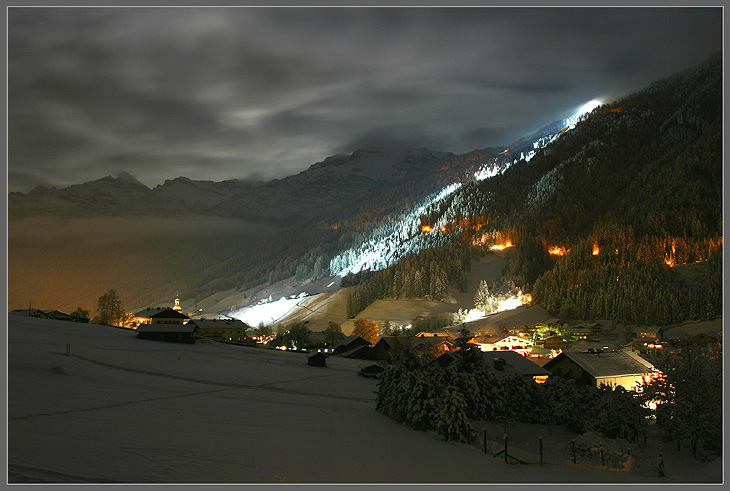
column 483, row 301
column 451, row 420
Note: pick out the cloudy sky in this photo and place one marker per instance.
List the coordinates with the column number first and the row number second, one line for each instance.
column 262, row 93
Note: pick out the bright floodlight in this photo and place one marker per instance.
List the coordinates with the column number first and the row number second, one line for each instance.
column 589, row 106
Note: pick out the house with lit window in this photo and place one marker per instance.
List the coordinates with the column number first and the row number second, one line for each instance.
column 503, row 343
column 226, row 329
column 553, row 342
column 420, row 345
column 158, row 315
column 601, row 367
column 648, row 332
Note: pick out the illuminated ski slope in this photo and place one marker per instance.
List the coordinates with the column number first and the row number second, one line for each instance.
column 404, row 234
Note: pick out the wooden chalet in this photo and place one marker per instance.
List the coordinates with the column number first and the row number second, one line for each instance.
column 359, row 352
column 385, row 344
column 227, row 329
column 349, row 343
column 159, row 315
column 648, row 332
column 601, row 367
column 317, row 339
column 317, row 359
column 501, row 364
column 553, row 342
column 511, row 363
column 445, row 335
column 174, row 333
column 48, row 314
column 580, row 333
column 503, row 343
column 40, row 314
column 372, row 370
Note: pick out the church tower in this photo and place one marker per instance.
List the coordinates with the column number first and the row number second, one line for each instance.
column 177, row 304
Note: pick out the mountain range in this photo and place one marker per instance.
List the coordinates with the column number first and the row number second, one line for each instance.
column 651, row 161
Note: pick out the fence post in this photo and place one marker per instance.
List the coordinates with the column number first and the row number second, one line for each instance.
column 603, row 455
column 485, row 440
column 540, row 450
column 68, row 349
column 505, row 448
column 572, row 443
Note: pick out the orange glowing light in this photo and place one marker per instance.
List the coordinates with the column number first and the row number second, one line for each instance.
column 669, row 262
column 499, row 247
column 426, row 229
column 443, row 230
column 528, row 297
column 596, row 250
column 557, row 251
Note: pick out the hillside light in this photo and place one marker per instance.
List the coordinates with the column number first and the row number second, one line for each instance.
column 588, row 107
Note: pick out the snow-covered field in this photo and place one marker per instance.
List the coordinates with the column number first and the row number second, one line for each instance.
column 121, row 409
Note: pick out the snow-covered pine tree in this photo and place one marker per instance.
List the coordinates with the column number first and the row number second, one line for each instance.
column 483, row 301
column 426, row 399
column 451, row 421
column 486, row 399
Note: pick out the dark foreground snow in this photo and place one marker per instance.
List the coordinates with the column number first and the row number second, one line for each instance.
column 120, row 409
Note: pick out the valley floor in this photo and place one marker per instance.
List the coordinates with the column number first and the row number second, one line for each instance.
column 122, row 410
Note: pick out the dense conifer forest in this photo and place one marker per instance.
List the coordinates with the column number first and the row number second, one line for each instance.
column 631, row 199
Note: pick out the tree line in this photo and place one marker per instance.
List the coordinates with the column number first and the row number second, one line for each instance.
column 427, row 274
column 414, row 390
column 429, row 397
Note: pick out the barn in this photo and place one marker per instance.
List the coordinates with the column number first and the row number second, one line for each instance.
column 174, row 333
column 317, row 359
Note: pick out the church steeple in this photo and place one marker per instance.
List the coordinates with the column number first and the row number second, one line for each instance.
column 177, row 304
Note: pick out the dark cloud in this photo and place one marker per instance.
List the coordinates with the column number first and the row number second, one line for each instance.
column 219, row 93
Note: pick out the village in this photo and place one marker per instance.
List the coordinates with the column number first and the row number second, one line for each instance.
column 221, row 391
column 526, row 341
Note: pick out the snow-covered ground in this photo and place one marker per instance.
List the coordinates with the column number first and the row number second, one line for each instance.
column 121, row 409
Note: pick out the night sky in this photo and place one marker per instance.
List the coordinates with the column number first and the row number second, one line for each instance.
column 262, row 93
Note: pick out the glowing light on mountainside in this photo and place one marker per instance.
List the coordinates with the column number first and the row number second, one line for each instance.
column 596, row 250
column 393, row 240
column 474, row 315
column 588, row 107
column 426, row 229
column 499, row 247
column 266, row 312
column 486, row 172
column 403, row 234
column 558, row 251
column 510, row 303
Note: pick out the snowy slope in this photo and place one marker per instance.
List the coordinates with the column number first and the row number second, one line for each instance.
column 120, row 409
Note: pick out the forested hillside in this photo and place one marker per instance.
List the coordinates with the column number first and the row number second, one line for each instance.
column 620, row 217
